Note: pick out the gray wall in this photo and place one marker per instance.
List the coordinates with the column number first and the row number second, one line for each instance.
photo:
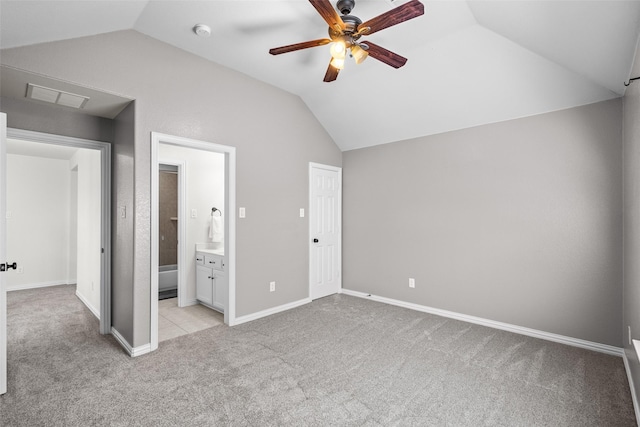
column 122, row 232
column 30, row 115
column 518, row 222
column 180, row 94
column 631, row 308
column 37, row 117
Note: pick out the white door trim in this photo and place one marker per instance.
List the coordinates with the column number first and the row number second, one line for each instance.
column 337, row 169
column 182, row 227
column 105, row 220
column 3, row 234
column 230, row 223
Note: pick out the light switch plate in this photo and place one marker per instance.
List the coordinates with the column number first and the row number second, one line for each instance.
column 242, row 213
column 301, row 212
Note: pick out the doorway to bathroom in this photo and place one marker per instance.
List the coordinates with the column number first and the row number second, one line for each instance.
column 168, row 202
column 204, row 223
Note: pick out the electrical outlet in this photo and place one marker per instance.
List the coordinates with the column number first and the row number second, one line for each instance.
column 412, row 282
column 194, row 213
column 20, row 270
column 272, row 286
column 629, row 327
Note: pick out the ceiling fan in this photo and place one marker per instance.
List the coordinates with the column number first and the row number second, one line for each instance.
column 345, row 32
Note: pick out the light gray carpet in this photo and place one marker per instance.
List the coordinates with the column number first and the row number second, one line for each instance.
column 337, row 361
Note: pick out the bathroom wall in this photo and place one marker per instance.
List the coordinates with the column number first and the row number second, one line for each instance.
column 204, row 174
column 168, row 209
column 38, row 191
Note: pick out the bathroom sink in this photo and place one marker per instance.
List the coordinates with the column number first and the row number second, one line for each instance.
column 212, row 251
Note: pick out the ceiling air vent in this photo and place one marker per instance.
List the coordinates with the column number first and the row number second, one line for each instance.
column 54, row 96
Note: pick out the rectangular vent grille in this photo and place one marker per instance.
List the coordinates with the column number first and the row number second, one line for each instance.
column 54, row 96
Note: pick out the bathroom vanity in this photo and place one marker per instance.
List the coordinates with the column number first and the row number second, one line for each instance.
column 211, row 278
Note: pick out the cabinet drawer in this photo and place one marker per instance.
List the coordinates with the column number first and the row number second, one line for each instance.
column 199, row 259
column 214, row 262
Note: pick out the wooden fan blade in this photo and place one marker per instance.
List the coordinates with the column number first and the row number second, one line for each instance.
column 298, row 46
column 329, row 14
column 402, row 13
column 384, row 55
column 331, row 74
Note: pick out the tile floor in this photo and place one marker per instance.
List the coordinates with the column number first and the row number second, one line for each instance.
column 174, row 321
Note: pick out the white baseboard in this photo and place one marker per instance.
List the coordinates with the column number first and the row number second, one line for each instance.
column 26, row 286
column 634, row 397
column 268, row 312
column 131, row 351
column 189, row 303
column 86, row 302
column 575, row 342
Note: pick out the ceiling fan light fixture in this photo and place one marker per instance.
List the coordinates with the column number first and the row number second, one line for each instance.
column 359, row 54
column 338, row 49
column 337, row 63
column 345, row 32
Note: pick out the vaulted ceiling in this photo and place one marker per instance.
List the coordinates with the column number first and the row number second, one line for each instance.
column 470, row 62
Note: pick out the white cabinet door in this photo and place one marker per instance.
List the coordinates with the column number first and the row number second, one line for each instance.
column 220, row 293
column 204, row 284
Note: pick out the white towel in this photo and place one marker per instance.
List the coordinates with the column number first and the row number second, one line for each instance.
column 215, row 230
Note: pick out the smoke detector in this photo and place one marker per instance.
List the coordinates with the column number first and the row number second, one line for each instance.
column 202, row 30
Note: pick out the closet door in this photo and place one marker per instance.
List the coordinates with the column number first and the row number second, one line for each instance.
column 325, row 223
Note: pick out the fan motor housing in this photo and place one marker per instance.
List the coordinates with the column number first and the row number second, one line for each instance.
column 345, row 6
column 351, row 27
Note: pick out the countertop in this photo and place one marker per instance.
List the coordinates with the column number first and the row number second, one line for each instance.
column 212, row 251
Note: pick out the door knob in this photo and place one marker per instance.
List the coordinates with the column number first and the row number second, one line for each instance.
column 5, row 267
column 315, row 240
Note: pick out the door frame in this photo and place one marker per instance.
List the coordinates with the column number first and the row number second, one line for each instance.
column 230, row 222
column 3, row 259
column 337, row 169
column 182, row 225
column 105, row 215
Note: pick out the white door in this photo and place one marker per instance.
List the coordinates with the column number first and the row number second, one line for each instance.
column 3, row 252
column 325, row 224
